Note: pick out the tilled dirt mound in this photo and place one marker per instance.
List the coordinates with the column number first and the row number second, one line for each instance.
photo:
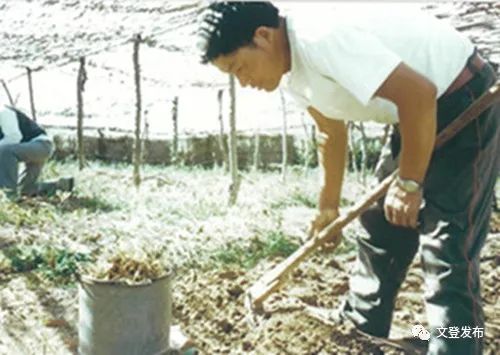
column 209, row 305
column 210, row 308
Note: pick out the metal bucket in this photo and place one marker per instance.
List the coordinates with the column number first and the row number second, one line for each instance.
column 124, row 320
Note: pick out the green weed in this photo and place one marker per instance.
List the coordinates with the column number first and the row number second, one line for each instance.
column 275, row 244
column 56, row 264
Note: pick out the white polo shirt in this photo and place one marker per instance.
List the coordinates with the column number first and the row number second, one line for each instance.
column 340, row 57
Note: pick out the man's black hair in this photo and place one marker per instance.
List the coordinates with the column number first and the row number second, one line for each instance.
column 229, row 25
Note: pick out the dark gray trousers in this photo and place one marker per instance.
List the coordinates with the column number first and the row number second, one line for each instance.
column 33, row 154
column 458, row 190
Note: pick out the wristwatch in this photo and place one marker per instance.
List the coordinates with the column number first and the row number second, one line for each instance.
column 408, row 185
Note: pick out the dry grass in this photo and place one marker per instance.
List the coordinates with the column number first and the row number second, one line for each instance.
column 180, row 211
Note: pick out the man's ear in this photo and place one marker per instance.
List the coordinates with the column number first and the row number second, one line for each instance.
column 263, row 37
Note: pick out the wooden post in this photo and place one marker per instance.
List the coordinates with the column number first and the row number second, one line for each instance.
column 222, row 141
column 385, row 136
column 145, row 132
column 11, row 102
column 284, row 148
column 137, row 140
column 256, row 152
column 383, row 142
column 175, row 139
column 307, row 144
column 80, row 88
column 145, row 138
column 314, row 143
column 364, row 153
column 32, row 99
column 233, row 156
column 352, row 146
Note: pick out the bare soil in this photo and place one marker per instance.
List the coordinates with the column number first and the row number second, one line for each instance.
column 210, row 308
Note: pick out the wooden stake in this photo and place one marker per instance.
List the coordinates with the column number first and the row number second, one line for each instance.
column 284, row 148
column 256, row 152
column 307, row 144
column 4, row 84
column 352, row 146
column 32, row 99
column 233, row 156
column 80, row 88
column 314, row 143
column 383, row 142
column 175, row 140
column 364, row 153
column 222, row 140
column 137, row 140
column 145, row 138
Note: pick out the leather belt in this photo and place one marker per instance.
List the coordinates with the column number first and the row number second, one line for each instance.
column 474, row 64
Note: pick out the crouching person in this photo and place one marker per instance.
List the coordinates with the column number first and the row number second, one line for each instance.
column 23, row 140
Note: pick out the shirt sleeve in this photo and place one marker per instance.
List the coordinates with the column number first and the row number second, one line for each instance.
column 10, row 127
column 355, row 59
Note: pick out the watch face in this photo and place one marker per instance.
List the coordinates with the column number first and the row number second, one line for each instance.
column 408, row 185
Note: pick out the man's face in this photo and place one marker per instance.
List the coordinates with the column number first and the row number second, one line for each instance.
column 257, row 65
